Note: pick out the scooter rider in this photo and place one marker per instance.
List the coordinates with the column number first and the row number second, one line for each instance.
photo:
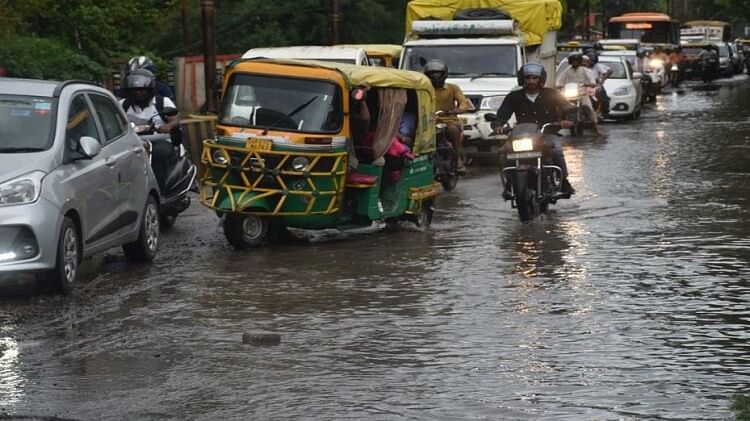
column 580, row 75
column 450, row 100
column 536, row 104
column 142, row 103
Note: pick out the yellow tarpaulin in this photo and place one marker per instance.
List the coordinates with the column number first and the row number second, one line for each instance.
column 535, row 17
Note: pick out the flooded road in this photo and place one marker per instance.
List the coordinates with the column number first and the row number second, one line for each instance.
column 628, row 301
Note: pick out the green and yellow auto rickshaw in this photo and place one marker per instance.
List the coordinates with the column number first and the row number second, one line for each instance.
column 284, row 153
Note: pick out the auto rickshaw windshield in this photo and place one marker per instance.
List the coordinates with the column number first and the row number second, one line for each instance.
column 297, row 105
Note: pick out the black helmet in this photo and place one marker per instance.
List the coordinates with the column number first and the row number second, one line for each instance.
column 591, row 54
column 532, row 69
column 137, row 81
column 141, row 62
column 437, row 71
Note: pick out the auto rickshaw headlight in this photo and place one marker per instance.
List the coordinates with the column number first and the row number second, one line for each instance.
column 300, row 163
column 219, row 157
column 523, row 144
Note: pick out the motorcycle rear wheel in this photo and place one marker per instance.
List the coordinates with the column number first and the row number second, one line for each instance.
column 449, row 181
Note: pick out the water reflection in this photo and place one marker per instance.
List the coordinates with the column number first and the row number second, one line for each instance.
column 12, row 380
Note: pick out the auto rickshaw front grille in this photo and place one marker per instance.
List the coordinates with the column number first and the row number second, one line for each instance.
column 315, row 189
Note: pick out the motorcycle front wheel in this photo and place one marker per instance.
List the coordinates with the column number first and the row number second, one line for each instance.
column 524, row 197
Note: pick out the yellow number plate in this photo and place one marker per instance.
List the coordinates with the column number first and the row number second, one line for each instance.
column 259, row 144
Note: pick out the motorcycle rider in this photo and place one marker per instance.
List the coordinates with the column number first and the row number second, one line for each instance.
column 143, row 62
column 576, row 73
column 536, row 104
column 677, row 57
column 142, row 102
column 450, row 100
column 710, row 62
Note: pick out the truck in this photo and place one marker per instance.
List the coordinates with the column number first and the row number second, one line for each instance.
column 484, row 43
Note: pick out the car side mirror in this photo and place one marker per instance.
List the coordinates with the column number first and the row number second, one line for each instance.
column 170, row 111
column 89, row 147
column 490, row 117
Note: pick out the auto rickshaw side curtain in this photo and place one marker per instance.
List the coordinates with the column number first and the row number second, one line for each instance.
column 392, row 103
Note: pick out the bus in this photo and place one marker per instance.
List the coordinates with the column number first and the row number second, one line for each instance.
column 650, row 28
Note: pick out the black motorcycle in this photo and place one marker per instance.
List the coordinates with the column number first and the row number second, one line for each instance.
column 534, row 182
column 180, row 176
column 445, row 160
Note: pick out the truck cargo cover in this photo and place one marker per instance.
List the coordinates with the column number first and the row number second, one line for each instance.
column 535, row 17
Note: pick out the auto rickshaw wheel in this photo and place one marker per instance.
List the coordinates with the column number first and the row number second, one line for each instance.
column 245, row 231
column 424, row 217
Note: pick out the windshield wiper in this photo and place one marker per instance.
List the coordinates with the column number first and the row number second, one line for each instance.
column 19, row 149
column 490, row 74
column 295, row 111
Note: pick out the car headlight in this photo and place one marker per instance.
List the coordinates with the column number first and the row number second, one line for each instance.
column 300, row 163
column 523, row 144
column 491, row 102
column 622, row 91
column 22, row 190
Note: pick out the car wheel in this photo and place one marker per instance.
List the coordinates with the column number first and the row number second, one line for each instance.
column 63, row 276
column 144, row 249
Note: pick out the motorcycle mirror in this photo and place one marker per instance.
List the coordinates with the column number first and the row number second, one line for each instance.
column 490, row 117
column 170, row 111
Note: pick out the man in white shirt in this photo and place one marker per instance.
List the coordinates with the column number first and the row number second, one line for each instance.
column 600, row 73
column 142, row 103
column 580, row 75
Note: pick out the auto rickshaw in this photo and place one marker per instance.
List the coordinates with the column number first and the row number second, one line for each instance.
column 284, row 153
column 386, row 55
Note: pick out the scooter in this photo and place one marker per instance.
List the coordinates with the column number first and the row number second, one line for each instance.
column 674, row 75
column 180, row 176
column 575, row 93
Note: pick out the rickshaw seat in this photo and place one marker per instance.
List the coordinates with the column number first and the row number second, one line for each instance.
column 355, row 179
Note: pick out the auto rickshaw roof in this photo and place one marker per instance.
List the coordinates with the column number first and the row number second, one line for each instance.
column 376, row 76
column 376, row 49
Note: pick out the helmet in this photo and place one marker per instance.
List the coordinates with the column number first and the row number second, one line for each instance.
column 141, row 62
column 437, row 71
column 532, row 69
column 591, row 53
column 138, row 81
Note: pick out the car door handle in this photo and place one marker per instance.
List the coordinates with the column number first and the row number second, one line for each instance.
column 110, row 162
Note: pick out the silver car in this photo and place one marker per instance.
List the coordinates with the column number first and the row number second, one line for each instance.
column 74, row 180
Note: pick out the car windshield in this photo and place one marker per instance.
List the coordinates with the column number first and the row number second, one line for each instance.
column 26, row 123
column 618, row 70
column 692, row 51
column 298, row 105
column 465, row 60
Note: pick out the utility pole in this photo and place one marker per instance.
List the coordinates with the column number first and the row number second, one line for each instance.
column 586, row 32
column 184, row 14
column 335, row 20
column 209, row 53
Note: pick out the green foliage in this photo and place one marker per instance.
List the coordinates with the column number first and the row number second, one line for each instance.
column 40, row 58
column 741, row 407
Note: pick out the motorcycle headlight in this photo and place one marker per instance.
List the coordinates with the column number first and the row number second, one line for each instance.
column 656, row 63
column 523, row 144
column 491, row 102
column 622, row 91
column 570, row 91
column 300, row 163
column 22, row 190
column 219, row 157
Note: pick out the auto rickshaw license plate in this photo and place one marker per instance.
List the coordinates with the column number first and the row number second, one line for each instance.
column 256, row 144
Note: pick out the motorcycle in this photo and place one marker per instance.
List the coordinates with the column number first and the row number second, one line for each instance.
column 534, row 182
column 674, row 75
column 180, row 177
column 445, row 160
column 575, row 94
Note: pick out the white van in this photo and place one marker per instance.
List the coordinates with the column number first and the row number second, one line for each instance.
column 346, row 55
